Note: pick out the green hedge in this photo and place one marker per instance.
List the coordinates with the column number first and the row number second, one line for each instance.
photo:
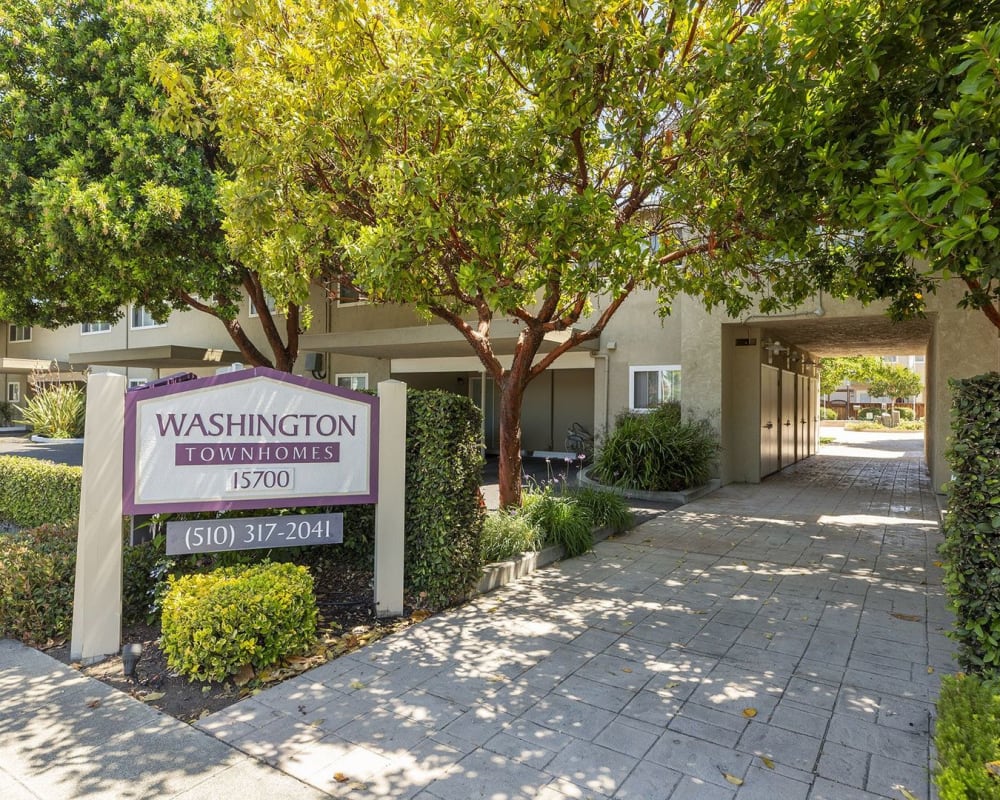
column 971, row 547
column 37, row 568
column 35, row 492
column 216, row 622
column 967, row 737
column 444, row 518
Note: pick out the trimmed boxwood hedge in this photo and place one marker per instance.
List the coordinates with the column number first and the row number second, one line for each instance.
column 35, row 492
column 37, row 568
column 216, row 622
column 971, row 547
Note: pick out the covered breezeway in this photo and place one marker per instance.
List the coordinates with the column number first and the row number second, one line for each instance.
column 763, row 356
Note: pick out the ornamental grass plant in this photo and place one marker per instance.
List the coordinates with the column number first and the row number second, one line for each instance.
column 57, row 411
column 657, row 451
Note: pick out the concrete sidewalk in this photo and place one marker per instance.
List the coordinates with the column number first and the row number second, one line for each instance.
column 781, row 641
column 63, row 735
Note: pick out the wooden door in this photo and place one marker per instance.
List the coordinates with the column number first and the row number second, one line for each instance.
column 770, row 422
column 813, row 413
column 786, row 456
column 802, row 418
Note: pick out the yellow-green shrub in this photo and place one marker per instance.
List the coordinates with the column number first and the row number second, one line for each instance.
column 37, row 568
column 966, row 736
column 217, row 622
column 35, row 492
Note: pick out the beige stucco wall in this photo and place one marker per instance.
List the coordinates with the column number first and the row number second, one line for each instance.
column 636, row 336
column 964, row 343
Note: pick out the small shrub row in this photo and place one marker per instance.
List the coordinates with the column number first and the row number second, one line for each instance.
column 35, row 492
column 546, row 518
column 37, row 568
column 657, row 452
column 507, row 534
column 967, row 738
column 215, row 623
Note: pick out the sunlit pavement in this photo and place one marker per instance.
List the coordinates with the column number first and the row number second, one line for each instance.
column 779, row 641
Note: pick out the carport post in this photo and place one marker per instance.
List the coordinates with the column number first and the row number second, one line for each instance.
column 390, row 506
column 97, row 594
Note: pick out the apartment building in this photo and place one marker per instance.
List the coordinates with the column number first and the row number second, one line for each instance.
column 755, row 378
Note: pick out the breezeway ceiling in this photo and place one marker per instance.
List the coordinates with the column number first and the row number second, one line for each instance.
column 828, row 337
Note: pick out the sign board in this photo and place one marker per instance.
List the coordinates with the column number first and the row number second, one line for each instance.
column 253, row 533
column 257, row 438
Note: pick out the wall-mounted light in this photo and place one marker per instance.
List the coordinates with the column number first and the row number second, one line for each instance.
column 773, row 348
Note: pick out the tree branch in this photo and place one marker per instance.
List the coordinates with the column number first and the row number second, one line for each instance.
column 578, row 337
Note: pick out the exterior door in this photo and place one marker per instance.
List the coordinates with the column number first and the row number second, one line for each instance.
column 812, row 412
column 802, row 417
column 789, row 423
column 770, row 423
column 486, row 400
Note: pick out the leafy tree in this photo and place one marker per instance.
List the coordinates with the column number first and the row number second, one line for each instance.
column 502, row 160
column 102, row 200
column 894, row 380
column 882, row 379
column 835, row 372
column 887, row 114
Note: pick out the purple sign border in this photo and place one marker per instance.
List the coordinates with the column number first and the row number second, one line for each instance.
column 133, row 398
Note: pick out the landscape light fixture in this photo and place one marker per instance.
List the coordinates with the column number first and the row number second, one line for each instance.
column 130, row 658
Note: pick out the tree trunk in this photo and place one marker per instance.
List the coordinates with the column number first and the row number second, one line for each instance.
column 509, row 468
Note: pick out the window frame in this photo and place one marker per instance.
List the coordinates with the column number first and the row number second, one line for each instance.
column 23, row 330
column 145, row 313
column 633, row 370
column 272, row 306
column 359, row 299
column 14, row 396
column 352, row 376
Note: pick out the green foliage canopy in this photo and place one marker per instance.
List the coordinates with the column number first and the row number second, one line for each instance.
column 887, row 116
column 882, row 379
column 490, row 160
column 105, row 197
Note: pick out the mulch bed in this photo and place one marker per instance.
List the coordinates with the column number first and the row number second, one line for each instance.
column 347, row 623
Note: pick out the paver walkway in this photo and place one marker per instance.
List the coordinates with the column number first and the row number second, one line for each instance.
column 780, row 641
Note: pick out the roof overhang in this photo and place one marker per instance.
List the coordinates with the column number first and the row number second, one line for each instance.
column 166, row 356
column 425, row 341
column 28, row 366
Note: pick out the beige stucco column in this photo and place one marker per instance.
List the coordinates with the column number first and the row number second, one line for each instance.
column 390, row 507
column 97, row 594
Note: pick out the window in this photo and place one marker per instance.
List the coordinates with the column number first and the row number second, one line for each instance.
column 133, row 382
column 95, row 327
column 19, row 333
column 918, row 359
column 348, row 293
column 271, row 305
column 354, row 380
column 141, row 318
column 650, row 386
column 13, row 393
